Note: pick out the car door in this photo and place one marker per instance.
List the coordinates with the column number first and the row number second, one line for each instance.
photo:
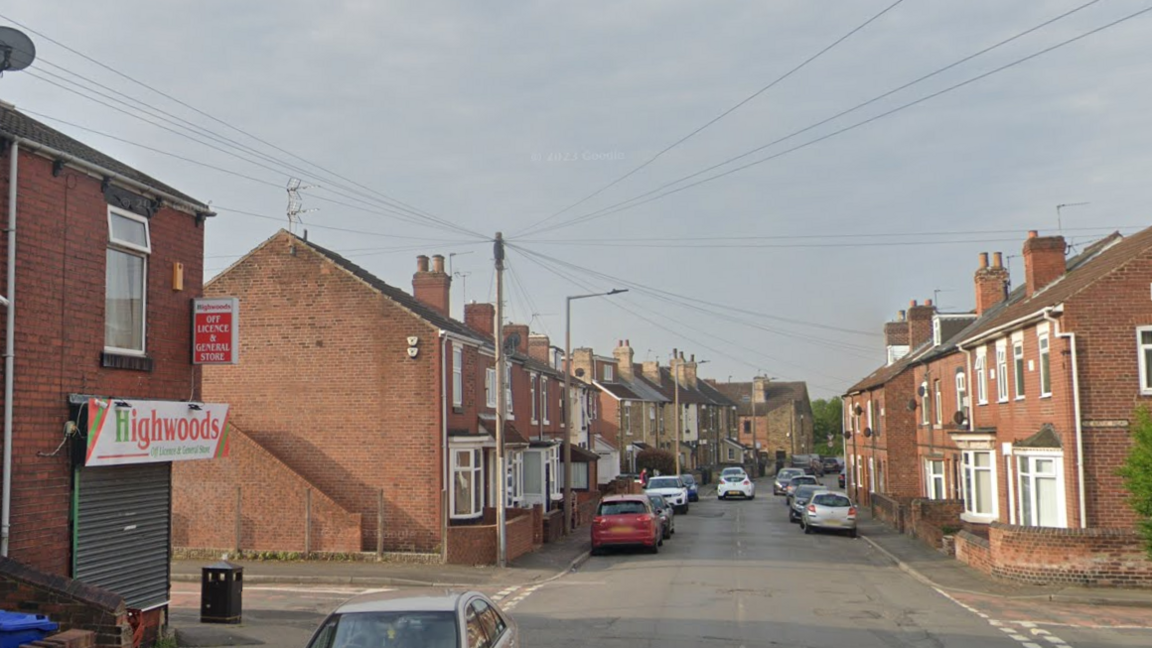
column 495, row 629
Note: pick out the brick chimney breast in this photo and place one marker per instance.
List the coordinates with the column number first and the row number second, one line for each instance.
column 583, row 362
column 432, row 287
column 539, row 347
column 991, row 283
column 522, row 331
column 481, row 317
column 1043, row 261
column 624, row 354
column 651, row 369
column 920, row 323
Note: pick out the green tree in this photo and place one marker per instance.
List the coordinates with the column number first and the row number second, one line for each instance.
column 656, row 460
column 1137, row 473
column 826, row 417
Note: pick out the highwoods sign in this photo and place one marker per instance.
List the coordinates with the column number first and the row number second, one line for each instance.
column 216, row 330
column 120, row 432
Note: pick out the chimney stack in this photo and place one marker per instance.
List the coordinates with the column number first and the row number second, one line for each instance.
column 1043, row 261
column 991, row 283
column 432, row 287
column 481, row 318
column 522, row 331
column 623, row 354
column 583, row 364
column 760, row 389
column 539, row 348
column 651, row 369
column 920, row 323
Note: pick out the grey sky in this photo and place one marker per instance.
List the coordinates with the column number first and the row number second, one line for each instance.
column 497, row 115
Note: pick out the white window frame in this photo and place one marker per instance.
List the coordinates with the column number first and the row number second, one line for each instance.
column 1001, row 376
column 1144, row 355
column 924, row 400
column 514, row 479
column 472, row 472
column 870, row 416
column 533, row 379
column 1018, row 378
column 609, row 375
column 1027, row 472
column 457, row 376
column 544, row 399
column 627, row 416
column 132, row 249
column 508, row 391
column 490, row 387
column 938, row 401
column 981, row 378
column 871, row 474
column 962, row 393
column 969, row 470
column 935, row 483
column 1044, row 344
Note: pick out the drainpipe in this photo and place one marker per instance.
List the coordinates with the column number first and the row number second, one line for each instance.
column 1071, row 337
column 9, row 351
column 444, row 477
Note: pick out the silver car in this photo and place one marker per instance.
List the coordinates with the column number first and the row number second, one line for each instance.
column 829, row 510
column 798, row 500
column 780, row 485
column 666, row 513
column 428, row 617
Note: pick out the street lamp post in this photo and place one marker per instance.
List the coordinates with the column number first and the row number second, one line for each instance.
column 568, row 404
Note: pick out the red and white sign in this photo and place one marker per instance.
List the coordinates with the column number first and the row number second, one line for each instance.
column 141, row 431
column 216, row 330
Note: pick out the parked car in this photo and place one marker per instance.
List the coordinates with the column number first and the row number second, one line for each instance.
column 673, row 490
column 693, row 487
column 732, row 470
column 799, row 480
column 664, row 510
column 780, row 486
column 798, row 500
column 804, row 461
column 733, row 484
column 843, row 477
column 829, row 510
column 432, row 617
column 831, row 464
column 626, row 520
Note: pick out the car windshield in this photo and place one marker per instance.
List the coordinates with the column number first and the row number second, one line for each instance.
column 832, row 499
column 803, row 479
column 789, row 473
column 362, row 629
column 664, row 482
column 804, row 492
column 622, row 507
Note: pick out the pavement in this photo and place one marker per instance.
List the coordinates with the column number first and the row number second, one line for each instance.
column 938, row 570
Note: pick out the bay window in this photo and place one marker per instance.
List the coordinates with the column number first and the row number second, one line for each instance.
column 1040, row 490
column 126, row 281
column 979, row 483
column 467, row 494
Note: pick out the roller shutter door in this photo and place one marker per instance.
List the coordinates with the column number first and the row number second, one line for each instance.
column 122, row 531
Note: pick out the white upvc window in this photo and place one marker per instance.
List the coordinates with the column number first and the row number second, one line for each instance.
column 979, row 483
column 608, row 373
column 1001, row 376
column 1043, row 342
column 1144, row 351
column 533, row 379
column 457, row 376
column 126, row 282
column 1040, row 489
column 859, row 470
column 467, row 494
column 981, row 379
column 924, row 400
column 934, row 473
column 490, row 387
column 938, row 401
column 1018, row 365
column 508, row 390
column 627, row 414
column 514, row 479
column 872, row 474
column 544, row 398
column 962, row 393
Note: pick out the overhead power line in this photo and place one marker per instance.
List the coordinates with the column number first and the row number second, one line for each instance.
column 722, row 115
column 659, row 192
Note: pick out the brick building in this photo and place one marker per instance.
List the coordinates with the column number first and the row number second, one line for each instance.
column 107, row 263
column 774, row 416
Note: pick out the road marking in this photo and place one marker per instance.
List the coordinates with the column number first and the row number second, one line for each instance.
column 523, row 593
column 1012, row 632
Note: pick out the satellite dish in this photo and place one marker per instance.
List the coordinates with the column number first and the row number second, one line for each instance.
column 847, row 434
column 867, row 431
column 959, row 419
column 859, row 410
column 512, row 342
column 921, row 390
column 17, row 51
column 579, row 372
column 912, row 404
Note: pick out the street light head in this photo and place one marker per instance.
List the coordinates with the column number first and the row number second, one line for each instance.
column 617, row 291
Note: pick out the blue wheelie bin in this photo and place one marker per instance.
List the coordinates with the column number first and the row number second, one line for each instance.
column 17, row 629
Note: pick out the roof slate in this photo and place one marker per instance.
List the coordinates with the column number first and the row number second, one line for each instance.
column 777, row 394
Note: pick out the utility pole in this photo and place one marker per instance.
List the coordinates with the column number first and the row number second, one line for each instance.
column 676, row 397
column 501, row 409
column 752, row 394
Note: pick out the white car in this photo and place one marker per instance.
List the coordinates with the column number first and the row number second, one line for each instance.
column 735, row 483
column 673, row 489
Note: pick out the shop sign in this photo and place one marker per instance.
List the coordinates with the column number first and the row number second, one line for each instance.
column 216, row 330
column 133, row 432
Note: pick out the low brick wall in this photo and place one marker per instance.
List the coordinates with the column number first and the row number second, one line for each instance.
column 553, row 528
column 71, row 603
column 927, row 519
column 475, row 544
column 891, row 510
column 1086, row 557
column 586, row 505
column 974, row 550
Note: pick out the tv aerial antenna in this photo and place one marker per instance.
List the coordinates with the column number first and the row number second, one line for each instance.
column 17, row 51
column 296, row 203
column 1059, row 219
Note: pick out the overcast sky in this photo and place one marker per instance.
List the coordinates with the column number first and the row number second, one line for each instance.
column 498, row 115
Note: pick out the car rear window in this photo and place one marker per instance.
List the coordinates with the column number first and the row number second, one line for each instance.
column 435, row 629
column 832, row 499
column 688, row 479
column 664, row 482
column 735, row 478
column 623, row 507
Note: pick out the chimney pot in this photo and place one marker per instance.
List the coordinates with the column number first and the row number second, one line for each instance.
column 422, row 263
column 627, row 343
column 903, row 315
column 912, row 304
column 927, row 302
column 983, row 260
column 997, row 259
column 1033, row 233
column 437, row 263
column 693, row 357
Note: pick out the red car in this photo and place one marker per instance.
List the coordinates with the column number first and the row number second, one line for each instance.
column 626, row 520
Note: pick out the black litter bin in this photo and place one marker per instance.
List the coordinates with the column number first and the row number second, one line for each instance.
column 221, row 587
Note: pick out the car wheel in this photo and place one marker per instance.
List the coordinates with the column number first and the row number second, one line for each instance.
column 673, row 530
column 654, row 549
column 685, row 508
column 596, row 551
column 660, row 542
column 807, row 527
column 667, row 533
column 852, row 533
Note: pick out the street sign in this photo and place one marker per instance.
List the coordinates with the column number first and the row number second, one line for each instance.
column 142, row 431
column 216, row 330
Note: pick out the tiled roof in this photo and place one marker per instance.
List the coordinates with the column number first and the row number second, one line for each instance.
column 708, row 388
column 619, row 390
column 1097, row 261
column 777, row 394
column 399, row 296
column 14, row 123
column 688, row 396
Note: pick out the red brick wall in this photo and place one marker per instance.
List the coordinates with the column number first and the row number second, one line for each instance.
column 63, row 223
column 890, row 510
column 71, row 604
column 1087, row 557
column 974, row 551
column 476, row 544
column 926, row 518
column 204, row 505
column 325, row 385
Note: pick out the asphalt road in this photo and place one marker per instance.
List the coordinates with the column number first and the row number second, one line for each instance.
column 735, row 574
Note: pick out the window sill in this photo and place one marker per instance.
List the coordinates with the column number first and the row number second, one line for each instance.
column 1045, row 396
column 977, row 518
column 112, row 360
